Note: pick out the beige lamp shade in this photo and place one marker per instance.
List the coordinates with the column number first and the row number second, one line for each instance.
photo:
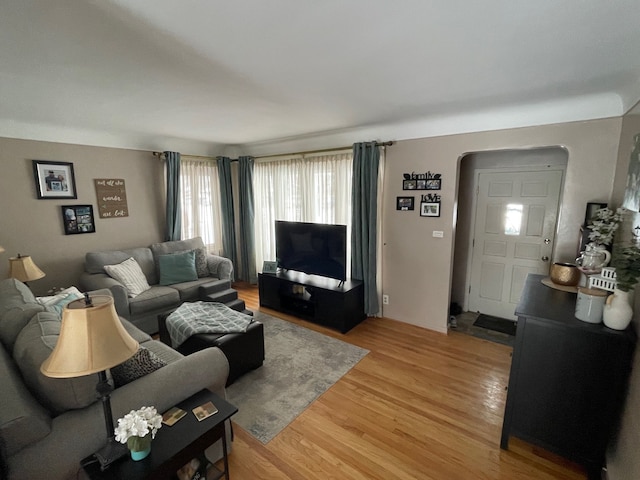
column 24, row 269
column 92, row 339
column 1, row 249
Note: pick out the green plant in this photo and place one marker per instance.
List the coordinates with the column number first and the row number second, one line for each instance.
column 627, row 265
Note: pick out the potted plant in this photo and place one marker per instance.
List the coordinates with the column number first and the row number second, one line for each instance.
column 137, row 428
column 618, row 310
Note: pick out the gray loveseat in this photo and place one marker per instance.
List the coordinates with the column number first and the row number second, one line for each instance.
column 48, row 425
column 144, row 309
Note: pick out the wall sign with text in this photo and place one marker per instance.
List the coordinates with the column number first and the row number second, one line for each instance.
column 112, row 197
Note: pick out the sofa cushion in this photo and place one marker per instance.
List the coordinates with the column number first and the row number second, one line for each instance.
column 156, row 298
column 129, row 274
column 177, row 268
column 142, row 363
column 95, row 261
column 22, row 420
column 33, row 346
column 17, row 306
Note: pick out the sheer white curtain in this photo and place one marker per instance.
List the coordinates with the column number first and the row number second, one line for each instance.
column 200, row 195
column 313, row 188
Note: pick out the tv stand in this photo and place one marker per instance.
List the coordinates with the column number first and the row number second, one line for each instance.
column 314, row 298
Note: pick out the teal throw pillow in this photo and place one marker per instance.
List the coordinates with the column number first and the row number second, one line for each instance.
column 177, row 268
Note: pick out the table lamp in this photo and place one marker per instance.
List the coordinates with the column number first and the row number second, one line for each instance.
column 92, row 339
column 24, row 269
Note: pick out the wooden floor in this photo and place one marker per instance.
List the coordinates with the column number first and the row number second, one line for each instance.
column 421, row 405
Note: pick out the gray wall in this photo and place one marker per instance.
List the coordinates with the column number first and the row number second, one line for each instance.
column 623, row 460
column 417, row 268
column 34, row 227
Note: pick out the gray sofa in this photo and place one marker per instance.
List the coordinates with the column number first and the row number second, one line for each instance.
column 143, row 310
column 48, row 425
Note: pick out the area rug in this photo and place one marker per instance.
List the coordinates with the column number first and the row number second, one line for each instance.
column 494, row 323
column 300, row 365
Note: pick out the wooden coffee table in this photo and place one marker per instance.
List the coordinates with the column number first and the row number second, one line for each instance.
column 175, row 446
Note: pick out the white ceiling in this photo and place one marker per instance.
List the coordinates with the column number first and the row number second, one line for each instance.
column 196, row 75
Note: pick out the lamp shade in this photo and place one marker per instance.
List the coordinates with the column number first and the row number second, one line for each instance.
column 92, row 339
column 1, row 249
column 24, row 269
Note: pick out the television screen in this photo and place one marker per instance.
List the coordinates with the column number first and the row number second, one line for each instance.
column 312, row 248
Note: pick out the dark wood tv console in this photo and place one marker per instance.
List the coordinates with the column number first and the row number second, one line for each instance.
column 319, row 299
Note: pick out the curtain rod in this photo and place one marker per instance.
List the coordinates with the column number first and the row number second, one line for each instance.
column 307, row 152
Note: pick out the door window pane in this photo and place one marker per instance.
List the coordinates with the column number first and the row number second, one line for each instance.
column 513, row 219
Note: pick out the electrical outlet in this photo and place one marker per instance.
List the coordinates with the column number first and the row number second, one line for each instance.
column 385, row 299
column 438, row 234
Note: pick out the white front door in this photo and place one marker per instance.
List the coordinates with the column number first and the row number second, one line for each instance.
column 515, row 224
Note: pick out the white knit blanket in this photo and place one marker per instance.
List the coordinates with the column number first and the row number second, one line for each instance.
column 192, row 318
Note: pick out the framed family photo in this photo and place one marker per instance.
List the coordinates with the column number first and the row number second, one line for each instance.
column 78, row 219
column 430, row 209
column 404, row 203
column 54, row 179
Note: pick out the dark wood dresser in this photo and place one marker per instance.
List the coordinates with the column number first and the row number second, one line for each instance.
column 568, row 378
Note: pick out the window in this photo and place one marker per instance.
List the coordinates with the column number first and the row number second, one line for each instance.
column 314, row 188
column 200, row 197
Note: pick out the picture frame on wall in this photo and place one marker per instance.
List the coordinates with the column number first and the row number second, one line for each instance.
column 78, row 219
column 430, row 209
column 404, row 203
column 54, row 180
column 409, row 184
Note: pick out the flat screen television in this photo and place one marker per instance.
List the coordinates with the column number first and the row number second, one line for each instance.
column 312, row 248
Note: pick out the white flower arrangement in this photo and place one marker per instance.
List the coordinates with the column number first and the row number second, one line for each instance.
column 138, row 423
column 604, row 225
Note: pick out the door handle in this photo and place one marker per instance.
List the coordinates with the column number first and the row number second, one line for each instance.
column 547, row 241
column 545, row 259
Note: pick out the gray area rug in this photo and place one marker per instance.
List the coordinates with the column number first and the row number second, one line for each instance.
column 300, row 365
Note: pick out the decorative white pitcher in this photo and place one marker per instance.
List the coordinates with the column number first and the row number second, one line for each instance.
column 617, row 311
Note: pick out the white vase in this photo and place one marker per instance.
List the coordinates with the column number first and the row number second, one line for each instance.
column 617, row 312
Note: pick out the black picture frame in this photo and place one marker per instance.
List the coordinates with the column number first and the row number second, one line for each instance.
column 433, row 184
column 591, row 210
column 54, row 180
column 429, row 209
column 405, row 203
column 78, row 219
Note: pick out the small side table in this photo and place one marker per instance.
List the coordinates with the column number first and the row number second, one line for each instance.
column 176, row 445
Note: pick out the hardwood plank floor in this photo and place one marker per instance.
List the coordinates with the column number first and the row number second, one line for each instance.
column 420, row 405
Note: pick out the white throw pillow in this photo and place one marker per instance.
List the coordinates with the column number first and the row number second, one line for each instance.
column 130, row 275
column 56, row 303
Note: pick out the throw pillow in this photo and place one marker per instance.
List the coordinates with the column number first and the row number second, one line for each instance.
column 142, row 363
column 56, row 303
column 130, row 275
column 177, row 268
column 201, row 261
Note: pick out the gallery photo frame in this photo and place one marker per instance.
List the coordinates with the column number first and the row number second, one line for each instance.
column 78, row 219
column 404, row 203
column 54, row 180
column 430, row 209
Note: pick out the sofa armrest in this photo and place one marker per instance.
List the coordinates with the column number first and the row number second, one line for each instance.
column 98, row 281
column 174, row 382
column 220, row 267
column 78, row 433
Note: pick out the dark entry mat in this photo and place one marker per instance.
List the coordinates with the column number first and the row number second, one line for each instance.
column 494, row 323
